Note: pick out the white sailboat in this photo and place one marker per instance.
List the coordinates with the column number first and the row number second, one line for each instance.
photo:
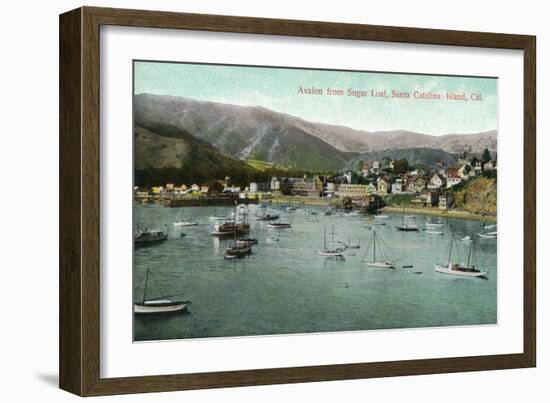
column 159, row 305
column 453, row 266
column 182, row 223
column 381, row 254
column 379, row 215
column 333, row 251
column 488, row 235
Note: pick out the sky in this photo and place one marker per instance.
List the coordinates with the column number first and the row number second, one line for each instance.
column 278, row 89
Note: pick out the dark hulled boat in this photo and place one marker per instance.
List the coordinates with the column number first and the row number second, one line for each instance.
column 149, row 237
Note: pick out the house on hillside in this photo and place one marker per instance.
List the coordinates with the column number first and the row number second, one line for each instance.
column 383, row 185
column 489, row 166
column 437, row 181
column 365, row 170
column 416, row 184
column 453, row 177
column 397, row 186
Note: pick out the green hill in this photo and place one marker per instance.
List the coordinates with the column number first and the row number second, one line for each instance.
column 168, row 154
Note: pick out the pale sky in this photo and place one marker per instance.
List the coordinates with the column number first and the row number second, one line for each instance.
column 278, row 89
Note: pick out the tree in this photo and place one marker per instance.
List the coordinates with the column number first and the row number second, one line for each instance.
column 359, row 166
column 347, row 203
column 401, row 166
column 285, row 187
column 486, row 156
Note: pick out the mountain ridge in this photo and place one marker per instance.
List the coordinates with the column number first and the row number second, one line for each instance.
column 258, row 133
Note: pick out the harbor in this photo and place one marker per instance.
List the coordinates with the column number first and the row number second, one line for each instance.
column 288, row 283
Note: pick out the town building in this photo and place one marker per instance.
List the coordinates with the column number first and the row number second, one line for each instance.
column 329, row 189
column 453, row 177
column 348, row 190
column 256, row 187
column 307, row 187
column 365, row 170
column 437, row 181
column 382, row 187
column 275, row 184
column 397, row 186
column 416, row 184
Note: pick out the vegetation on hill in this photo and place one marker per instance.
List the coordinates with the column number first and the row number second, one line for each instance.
column 168, row 154
column 477, row 195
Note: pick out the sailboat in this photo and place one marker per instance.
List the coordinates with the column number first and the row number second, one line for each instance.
column 354, row 245
column 488, row 235
column 266, row 216
column 378, row 214
column 216, row 216
column 381, row 254
column 182, row 223
column 406, row 226
column 158, row 305
column 241, row 247
column 455, row 268
column 331, row 252
column 434, row 224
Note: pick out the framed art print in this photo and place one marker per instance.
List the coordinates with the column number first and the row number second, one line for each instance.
column 251, row 201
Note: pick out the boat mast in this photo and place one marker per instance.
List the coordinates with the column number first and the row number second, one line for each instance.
column 325, row 242
column 450, row 251
column 374, row 247
column 235, row 226
column 470, row 252
column 145, row 287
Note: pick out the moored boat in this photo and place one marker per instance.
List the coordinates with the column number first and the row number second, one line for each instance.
column 148, row 237
column 246, row 242
column 267, row 217
column 488, row 235
column 279, row 225
column 381, row 254
column 160, row 305
column 335, row 251
column 452, row 266
column 181, row 222
column 224, row 228
column 238, row 251
column 406, row 225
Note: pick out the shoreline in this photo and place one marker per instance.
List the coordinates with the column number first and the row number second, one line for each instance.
column 466, row 215
column 327, row 202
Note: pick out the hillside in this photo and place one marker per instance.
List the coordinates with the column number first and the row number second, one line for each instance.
column 164, row 153
column 478, row 195
column 167, row 154
column 242, row 132
column 252, row 132
column 415, row 156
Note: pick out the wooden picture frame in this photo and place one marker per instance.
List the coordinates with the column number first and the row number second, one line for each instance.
column 79, row 278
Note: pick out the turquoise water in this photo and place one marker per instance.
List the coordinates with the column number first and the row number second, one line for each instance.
column 285, row 287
